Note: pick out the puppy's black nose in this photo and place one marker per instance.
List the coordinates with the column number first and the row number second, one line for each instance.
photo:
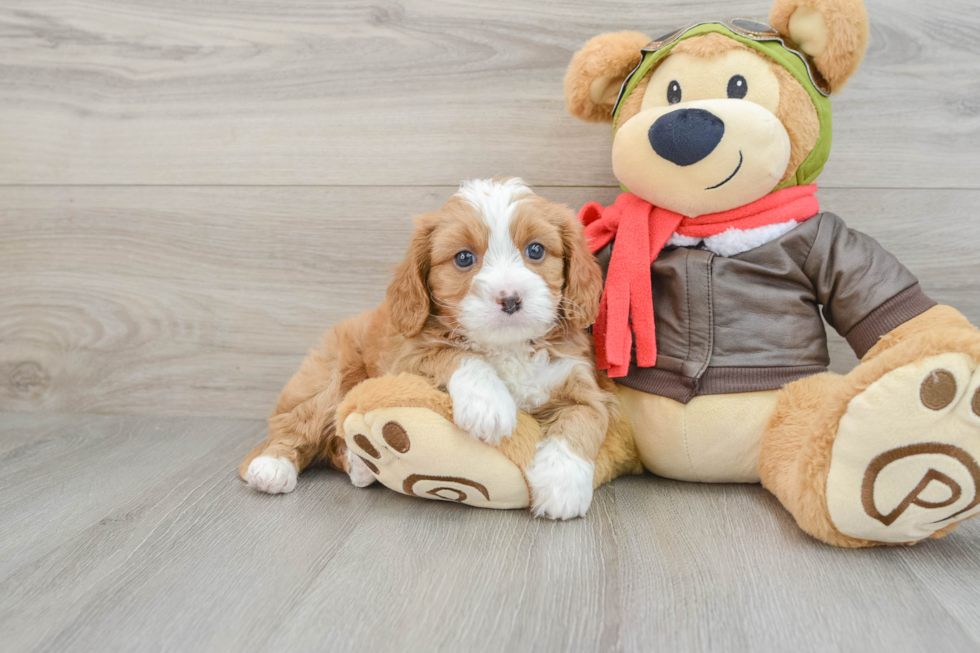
column 510, row 304
column 686, row 136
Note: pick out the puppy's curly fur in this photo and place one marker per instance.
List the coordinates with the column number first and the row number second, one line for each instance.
column 438, row 318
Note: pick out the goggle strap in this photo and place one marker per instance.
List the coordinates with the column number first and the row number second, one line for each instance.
column 744, row 27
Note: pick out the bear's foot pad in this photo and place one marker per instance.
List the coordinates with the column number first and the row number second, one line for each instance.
column 906, row 460
column 418, row 452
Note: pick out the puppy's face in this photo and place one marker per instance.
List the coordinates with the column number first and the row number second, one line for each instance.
column 497, row 265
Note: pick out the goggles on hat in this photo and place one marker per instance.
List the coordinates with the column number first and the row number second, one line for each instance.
column 743, row 27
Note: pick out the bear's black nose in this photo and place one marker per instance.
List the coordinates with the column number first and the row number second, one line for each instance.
column 686, row 136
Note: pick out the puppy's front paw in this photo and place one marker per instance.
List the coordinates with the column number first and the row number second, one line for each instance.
column 561, row 482
column 482, row 405
column 490, row 417
column 360, row 474
column 271, row 475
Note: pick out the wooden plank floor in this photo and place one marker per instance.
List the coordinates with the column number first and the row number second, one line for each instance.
column 202, row 301
column 135, row 534
column 190, row 192
column 412, row 92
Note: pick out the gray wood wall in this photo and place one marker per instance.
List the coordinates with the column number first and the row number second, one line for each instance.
column 190, row 192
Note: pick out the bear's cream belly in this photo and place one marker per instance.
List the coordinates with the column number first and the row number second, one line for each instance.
column 712, row 439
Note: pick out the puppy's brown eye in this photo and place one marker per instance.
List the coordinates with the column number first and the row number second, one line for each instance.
column 673, row 92
column 464, row 260
column 535, row 251
column 737, row 87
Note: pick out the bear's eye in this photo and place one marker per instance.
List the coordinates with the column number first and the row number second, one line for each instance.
column 737, row 87
column 535, row 251
column 673, row 92
column 464, row 259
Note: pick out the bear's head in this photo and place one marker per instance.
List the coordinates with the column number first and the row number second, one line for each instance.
column 719, row 114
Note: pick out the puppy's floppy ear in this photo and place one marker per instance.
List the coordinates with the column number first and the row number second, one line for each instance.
column 833, row 32
column 408, row 293
column 583, row 276
column 597, row 72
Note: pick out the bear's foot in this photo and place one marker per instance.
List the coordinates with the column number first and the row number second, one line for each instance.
column 905, row 463
column 418, row 452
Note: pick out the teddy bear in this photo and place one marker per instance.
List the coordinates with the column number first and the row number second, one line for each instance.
column 718, row 264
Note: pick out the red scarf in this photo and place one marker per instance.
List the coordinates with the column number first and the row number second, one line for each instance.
column 641, row 230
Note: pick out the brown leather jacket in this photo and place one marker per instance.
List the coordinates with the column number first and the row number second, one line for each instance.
column 752, row 322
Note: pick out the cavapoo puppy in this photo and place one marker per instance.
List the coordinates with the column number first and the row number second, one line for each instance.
column 491, row 304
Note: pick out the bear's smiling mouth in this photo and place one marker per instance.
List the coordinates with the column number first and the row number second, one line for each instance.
column 729, row 178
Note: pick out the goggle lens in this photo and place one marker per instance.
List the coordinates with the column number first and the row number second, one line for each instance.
column 746, row 28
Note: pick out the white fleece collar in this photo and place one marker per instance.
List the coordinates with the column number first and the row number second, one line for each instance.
column 735, row 241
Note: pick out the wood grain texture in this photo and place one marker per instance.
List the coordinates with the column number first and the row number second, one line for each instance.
column 191, row 192
column 415, row 92
column 203, row 301
column 77, row 470
column 185, row 557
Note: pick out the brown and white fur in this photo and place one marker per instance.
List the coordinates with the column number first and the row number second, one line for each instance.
column 503, row 334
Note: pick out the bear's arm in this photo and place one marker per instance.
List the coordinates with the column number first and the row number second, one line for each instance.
column 864, row 290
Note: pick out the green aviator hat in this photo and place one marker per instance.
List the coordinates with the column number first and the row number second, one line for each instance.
column 774, row 45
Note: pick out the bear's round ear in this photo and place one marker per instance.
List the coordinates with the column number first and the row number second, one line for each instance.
column 833, row 32
column 597, row 71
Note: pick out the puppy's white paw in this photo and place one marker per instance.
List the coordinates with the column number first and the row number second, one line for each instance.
column 482, row 405
column 561, row 482
column 359, row 473
column 271, row 475
column 486, row 417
